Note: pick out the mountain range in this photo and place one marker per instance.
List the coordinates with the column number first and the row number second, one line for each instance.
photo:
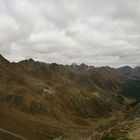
column 40, row 101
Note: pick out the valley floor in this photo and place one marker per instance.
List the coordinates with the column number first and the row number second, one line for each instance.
column 116, row 126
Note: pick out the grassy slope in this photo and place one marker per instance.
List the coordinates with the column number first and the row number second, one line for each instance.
column 132, row 89
column 42, row 101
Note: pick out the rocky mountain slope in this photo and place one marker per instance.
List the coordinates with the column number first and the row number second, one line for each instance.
column 42, row 101
column 128, row 71
column 133, row 86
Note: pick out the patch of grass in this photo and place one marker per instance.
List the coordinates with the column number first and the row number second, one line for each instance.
column 132, row 89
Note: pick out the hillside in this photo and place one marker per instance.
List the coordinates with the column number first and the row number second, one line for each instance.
column 40, row 101
column 128, row 71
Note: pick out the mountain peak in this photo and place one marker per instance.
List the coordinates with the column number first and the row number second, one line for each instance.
column 30, row 60
column 3, row 60
column 126, row 67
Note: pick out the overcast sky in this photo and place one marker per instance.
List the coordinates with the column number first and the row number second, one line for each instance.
column 95, row 32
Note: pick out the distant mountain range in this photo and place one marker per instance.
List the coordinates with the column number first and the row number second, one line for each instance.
column 42, row 101
column 128, row 71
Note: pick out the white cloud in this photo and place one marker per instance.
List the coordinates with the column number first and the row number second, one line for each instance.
column 95, row 32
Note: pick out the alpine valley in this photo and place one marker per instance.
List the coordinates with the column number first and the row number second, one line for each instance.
column 40, row 101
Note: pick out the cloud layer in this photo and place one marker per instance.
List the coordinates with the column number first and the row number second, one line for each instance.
column 96, row 32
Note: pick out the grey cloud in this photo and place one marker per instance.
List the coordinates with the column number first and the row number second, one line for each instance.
column 96, row 32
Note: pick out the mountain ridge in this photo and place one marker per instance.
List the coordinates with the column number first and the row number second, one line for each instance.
column 61, row 96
